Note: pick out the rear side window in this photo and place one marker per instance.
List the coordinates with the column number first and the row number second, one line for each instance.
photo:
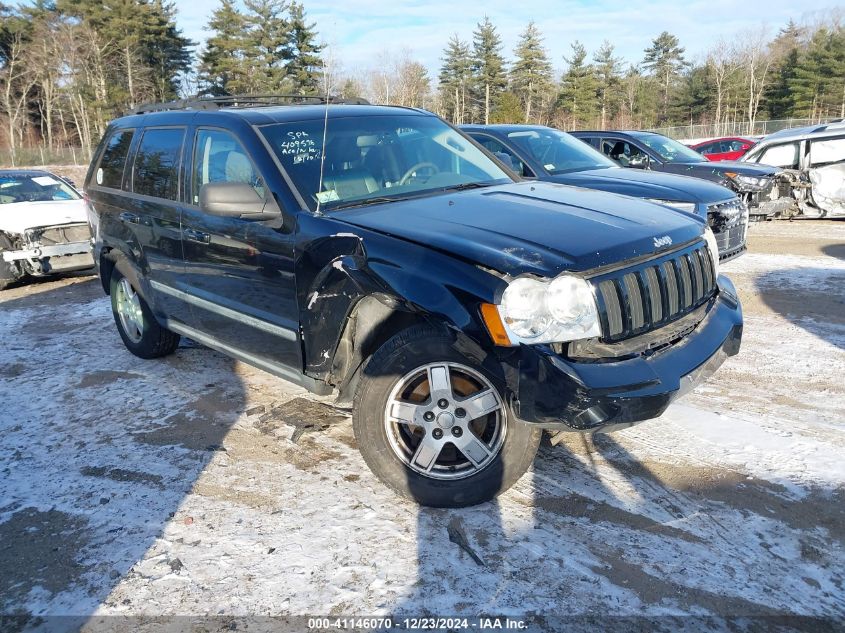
column 156, row 169
column 827, row 152
column 113, row 160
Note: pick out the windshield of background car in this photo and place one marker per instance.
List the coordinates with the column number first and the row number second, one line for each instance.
column 370, row 159
column 669, row 150
column 559, row 152
column 43, row 188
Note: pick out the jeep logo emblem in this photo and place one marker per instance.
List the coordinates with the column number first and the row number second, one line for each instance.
column 660, row 242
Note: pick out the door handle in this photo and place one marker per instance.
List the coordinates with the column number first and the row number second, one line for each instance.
column 131, row 218
column 196, row 236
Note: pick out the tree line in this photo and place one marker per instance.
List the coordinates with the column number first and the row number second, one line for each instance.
column 69, row 66
column 799, row 72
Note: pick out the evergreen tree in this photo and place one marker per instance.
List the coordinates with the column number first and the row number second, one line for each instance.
column 531, row 72
column 509, row 109
column 223, row 68
column 787, row 47
column 305, row 65
column 578, row 88
column 146, row 51
column 665, row 60
column 266, row 45
column 818, row 86
column 488, row 67
column 455, row 77
column 608, row 71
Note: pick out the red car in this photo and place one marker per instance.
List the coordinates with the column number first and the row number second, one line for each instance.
column 727, row 148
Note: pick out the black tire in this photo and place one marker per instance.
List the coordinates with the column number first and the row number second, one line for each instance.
column 154, row 341
column 399, row 357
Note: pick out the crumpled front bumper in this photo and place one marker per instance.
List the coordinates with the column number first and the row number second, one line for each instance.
column 54, row 258
column 558, row 393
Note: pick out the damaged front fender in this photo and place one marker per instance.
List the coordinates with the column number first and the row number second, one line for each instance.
column 353, row 297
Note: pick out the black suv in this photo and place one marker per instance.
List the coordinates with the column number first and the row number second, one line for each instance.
column 764, row 189
column 536, row 151
column 378, row 253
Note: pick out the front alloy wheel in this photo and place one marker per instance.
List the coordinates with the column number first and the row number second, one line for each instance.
column 431, row 422
column 445, row 421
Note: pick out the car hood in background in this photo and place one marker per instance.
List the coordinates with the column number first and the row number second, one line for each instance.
column 17, row 217
column 722, row 166
column 535, row 227
column 647, row 184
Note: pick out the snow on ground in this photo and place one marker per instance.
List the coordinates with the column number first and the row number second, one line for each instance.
column 171, row 487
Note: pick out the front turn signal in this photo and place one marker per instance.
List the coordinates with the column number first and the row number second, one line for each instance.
column 493, row 322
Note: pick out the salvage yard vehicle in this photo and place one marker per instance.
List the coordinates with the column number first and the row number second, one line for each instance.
column 544, row 153
column 379, row 254
column 766, row 190
column 726, row 148
column 815, row 157
column 43, row 226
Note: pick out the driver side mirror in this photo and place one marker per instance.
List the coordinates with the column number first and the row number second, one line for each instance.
column 237, row 200
column 640, row 161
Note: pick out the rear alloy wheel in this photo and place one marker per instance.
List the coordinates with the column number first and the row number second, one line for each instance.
column 138, row 328
column 431, row 422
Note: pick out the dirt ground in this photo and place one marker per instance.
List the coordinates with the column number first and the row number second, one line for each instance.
column 175, row 487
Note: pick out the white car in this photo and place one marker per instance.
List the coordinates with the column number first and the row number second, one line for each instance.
column 43, row 226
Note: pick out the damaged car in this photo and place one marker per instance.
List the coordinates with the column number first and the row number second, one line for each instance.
column 814, row 157
column 766, row 190
column 544, row 153
column 378, row 254
column 43, row 226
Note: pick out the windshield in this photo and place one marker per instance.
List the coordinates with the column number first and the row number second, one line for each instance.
column 669, row 150
column 43, row 188
column 371, row 159
column 559, row 152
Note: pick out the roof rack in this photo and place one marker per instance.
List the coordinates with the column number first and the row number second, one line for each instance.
column 243, row 101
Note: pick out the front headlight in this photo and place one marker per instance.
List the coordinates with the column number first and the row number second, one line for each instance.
column 689, row 207
column 751, row 182
column 562, row 309
column 714, row 250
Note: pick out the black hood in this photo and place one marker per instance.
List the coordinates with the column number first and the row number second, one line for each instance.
column 721, row 168
column 537, row 227
column 646, row 184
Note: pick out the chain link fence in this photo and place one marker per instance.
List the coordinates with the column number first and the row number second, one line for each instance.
column 735, row 128
column 40, row 156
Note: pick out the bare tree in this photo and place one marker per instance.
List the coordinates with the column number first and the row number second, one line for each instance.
column 16, row 83
column 722, row 63
column 755, row 58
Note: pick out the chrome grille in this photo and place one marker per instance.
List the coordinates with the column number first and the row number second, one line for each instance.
column 642, row 298
column 729, row 221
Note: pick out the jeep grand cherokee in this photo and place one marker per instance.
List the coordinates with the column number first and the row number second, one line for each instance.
column 380, row 254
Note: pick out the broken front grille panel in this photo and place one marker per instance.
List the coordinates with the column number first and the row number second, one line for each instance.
column 62, row 234
column 729, row 222
column 643, row 298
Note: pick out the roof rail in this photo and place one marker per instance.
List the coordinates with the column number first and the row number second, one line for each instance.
column 243, row 101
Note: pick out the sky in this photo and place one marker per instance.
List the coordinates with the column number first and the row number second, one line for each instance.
column 360, row 31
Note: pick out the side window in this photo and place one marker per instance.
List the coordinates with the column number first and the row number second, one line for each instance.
column 827, row 152
column 112, row 162
column 710, row 148
column 504, row 154
column 156, row 169
column 785, row 155
column 621, row 151
column 735, row 146
column 219, row 157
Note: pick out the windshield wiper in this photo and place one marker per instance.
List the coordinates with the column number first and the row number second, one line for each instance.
column 469, row 185
column 368, row 201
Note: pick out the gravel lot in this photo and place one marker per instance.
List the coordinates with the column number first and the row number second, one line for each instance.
column 152, row 488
